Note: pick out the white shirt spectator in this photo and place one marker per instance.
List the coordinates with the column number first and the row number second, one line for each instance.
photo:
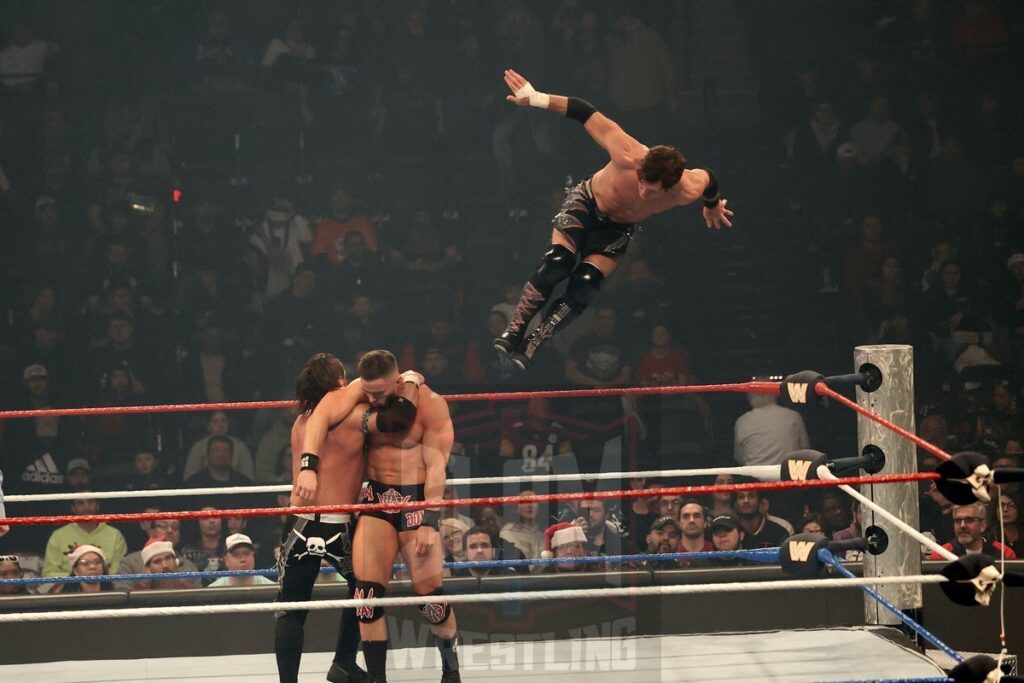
column 767, row 433
column 282, row 242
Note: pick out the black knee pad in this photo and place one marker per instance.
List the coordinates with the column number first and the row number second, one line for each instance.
column 556, row 265
column 436, row 612
column 584, row 283
column 369, row 589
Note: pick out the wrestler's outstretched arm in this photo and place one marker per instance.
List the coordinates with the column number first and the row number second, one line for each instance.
column 621, row 147
column 438, row 438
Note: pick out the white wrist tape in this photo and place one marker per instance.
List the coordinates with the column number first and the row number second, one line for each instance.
column 537, row 99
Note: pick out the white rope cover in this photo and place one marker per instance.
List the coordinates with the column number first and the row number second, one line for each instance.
column 825, row 473
column 762, row 472
column 574, row 593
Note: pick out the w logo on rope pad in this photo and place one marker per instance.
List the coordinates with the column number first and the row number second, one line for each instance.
column 797, row 392
column 800, row 389
column 799, row 551
column 798, row 469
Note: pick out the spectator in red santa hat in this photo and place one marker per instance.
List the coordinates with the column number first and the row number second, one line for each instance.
column 565, row 539
column 158, row 557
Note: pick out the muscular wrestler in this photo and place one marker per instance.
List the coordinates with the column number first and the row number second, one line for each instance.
column 400, row 467
column 333, row 478
column 595, row 224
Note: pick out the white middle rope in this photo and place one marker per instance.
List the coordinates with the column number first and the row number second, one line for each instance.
column 825, row 473
column 416, row 600
column 762, row 472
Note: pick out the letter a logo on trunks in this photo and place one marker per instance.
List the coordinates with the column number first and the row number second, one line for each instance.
column 799, row 551
column 392, row 497
column 797, row 392
column 364, row 612
column 798, row 469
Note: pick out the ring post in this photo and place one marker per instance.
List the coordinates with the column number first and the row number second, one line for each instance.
column 894, row 400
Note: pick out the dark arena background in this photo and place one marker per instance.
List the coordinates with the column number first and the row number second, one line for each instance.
column 196, row 197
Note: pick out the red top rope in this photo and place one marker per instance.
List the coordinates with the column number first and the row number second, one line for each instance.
column 740, row 388
column 824, row 390
column 493, row 500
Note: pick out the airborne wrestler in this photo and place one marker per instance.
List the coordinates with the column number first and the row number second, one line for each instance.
column 599, row 217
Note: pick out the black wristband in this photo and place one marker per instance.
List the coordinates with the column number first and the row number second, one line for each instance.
column 578, row 109
column 711, row 197
column 309, row 461
column 431, row 518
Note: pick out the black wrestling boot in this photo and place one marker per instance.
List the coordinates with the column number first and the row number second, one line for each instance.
column 376, row 654
column 449, row 659
column 508, row 341
column 346, row 673
column 560, row 314
column 556, row 265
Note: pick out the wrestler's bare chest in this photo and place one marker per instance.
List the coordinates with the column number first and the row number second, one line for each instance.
column 617, row 193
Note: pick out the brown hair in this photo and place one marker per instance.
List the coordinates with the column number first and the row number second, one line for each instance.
column 663, row 165
column 376, row 364
column 319, row 376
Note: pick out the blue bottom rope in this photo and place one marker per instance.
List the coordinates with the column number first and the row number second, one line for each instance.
column 825, row 556
column 762, row 555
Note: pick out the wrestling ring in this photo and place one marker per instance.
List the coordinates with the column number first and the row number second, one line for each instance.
column 801, row 614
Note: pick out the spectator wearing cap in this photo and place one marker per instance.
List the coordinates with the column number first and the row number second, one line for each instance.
column 565, row 540
column 280, row 236
column 693, row 526
column 159, row 557
column 970, row 524
column 35, row 380
column 727, row 534
column 79, row 475
column 10, row 568
column 69, row 536
column 663, row 537
column 86, row 560
column 240, row 555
